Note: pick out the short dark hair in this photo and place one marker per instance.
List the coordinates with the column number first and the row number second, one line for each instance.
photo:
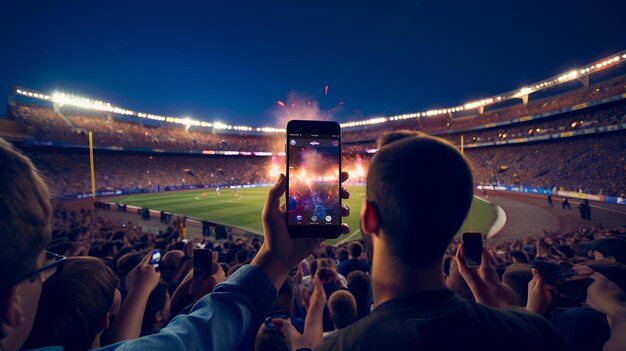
column 342, row 307
column 127, row 263
column 422, row 188
column 156, row 302
column 355, row 249
column 359, row 285
column 517, row 276
column 73, row 305
column 342, row 254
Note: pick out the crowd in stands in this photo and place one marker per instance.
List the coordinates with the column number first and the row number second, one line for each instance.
column 567, row 164
column 67, row 172
column 592, row 164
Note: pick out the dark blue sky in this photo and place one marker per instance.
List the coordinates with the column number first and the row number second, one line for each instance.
column 231, row 60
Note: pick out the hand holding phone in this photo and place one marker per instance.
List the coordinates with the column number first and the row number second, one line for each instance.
column 473, row 249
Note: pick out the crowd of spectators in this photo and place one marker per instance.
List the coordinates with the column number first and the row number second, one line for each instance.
column 567, row 164
column 67, row 171
column 593, row 164
column 333, row 282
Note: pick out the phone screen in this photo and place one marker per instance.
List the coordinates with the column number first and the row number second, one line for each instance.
column 314, row 166
column 473, row 247
column 155, row 258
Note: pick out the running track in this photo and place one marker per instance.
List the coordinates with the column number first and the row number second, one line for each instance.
column 529, row 214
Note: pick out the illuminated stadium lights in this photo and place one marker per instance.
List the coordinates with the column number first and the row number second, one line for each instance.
column 66, row 99
column 363, row 123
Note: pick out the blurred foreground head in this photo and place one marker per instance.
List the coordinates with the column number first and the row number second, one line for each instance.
column 25, row 219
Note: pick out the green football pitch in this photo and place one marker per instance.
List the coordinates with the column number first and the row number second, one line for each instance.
column 244, row 210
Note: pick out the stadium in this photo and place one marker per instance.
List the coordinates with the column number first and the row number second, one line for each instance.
column 496, row 222
column 515, row 140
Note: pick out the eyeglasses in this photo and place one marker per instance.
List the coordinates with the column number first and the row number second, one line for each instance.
column 53, row 266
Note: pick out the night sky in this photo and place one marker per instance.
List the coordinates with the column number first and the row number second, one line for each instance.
column 232, row 60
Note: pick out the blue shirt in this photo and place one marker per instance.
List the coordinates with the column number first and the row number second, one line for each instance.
column 222, row 320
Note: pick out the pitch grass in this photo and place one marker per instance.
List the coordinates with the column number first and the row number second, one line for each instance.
column 244, row 211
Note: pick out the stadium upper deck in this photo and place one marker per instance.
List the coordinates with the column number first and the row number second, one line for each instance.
column 66, row 119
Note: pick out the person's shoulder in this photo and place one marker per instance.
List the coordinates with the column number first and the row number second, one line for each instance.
column 524, row 321
column 362, row 335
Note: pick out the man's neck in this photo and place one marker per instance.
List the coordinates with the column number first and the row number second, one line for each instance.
column 391, row 279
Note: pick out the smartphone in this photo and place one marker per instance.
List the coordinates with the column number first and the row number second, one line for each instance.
column 155, row 258
column 202, row 264
column 269, row 326
column 473, row 247
column 313, row 156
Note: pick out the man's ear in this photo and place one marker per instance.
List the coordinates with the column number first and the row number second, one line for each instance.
column 369, row 218
column 10, row 308
column 106, row 323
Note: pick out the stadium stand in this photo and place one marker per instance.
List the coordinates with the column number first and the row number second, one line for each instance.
column 513, row 145
column 568, row 148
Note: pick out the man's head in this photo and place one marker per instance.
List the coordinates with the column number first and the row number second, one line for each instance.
column 342, row 308
column 355, row 249
column 25, row 217
column 419, row 190
column 610, row 249
column 74, row 306
column 342, row 254
column 359, row 284
column 157, row 311
column 517, row 276
column 170, row 262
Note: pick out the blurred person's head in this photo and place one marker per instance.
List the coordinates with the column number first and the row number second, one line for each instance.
column 359, row 285
column 342, row 254
column 157, row 311
column 74, row 306
column 518, row 257
column 419, row 191
column 517, row 276
column 242, row 256
column 610, row 249
column 355, row 249
column 127, row 263
column 170, row 262
column 270, row 339
column 342, row 308
column 25, row 217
